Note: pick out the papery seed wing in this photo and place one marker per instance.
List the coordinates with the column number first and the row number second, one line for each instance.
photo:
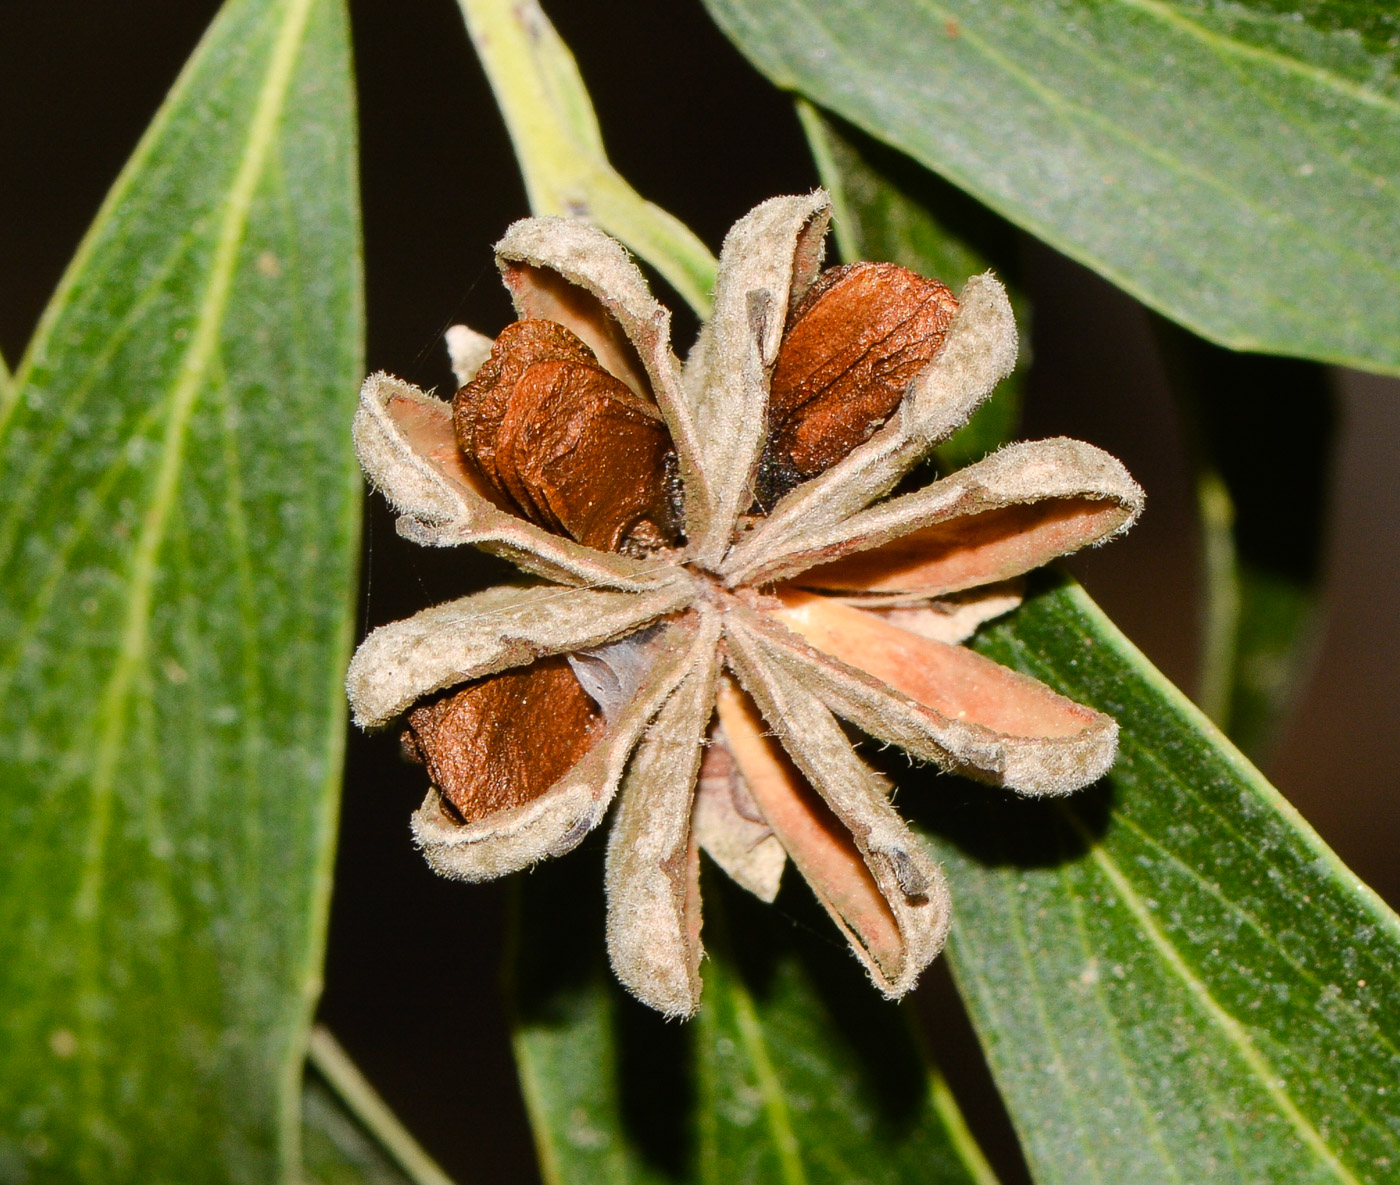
column 466, row 351
column 557, row 820
column 951, row 619
column 866, row 867
column 729, row 826
column 945, row 704
column 506, row 626
column 769, row 255
column 1000, row 517
column 573, row 273
column 978, row 352
column 653, row 865
column 406, row 445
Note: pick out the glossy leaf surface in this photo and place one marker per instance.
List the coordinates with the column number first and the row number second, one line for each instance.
column 794, row 1071
column 178, row 528
column 1235, row 166
column 1173, row 978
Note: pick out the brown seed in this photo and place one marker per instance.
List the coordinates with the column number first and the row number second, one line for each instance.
column 479, row 407
column 859, row 337
column 563, row 440
column 503, row 741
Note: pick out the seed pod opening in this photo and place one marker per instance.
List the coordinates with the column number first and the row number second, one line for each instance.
column 503, row 741
column 852, row 346
column 562, row 439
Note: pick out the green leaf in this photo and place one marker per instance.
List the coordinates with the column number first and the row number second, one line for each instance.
column 1276, row 640
column 178, row 537
column 794, row 1071
column 335, row 1149
column 349, row 1135
column 1236, row 167
column 560, row 148
column 1173, row 978
column 1260, row 431
column 886, row 208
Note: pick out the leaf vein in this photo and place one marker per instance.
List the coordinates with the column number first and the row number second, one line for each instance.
column 1234, row 1032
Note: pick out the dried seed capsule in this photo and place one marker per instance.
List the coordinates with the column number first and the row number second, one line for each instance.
column 503, row 741
column 853, row 345
column 563, row 440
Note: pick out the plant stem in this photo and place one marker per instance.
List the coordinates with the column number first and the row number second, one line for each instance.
column 560, row 149
column 362, row 1100
column 1220, row 614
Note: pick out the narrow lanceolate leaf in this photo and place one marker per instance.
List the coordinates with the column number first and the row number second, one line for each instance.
column 178, row 526
column 793, row 1072
column 887, row 207
column 1236, row 167
column 1173, row 978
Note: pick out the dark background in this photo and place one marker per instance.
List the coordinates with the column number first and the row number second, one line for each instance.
column 696, row 130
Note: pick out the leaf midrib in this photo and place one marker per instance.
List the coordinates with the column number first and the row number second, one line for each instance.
column 20, row 498
column 1100, row 629
column 1302, row 972
column 775, row 1108
column 1315, row 133
column 1149, row 1120
column 1230, row 45
column 1237, row 334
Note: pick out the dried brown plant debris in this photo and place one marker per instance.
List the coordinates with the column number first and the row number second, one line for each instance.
column 715, row 576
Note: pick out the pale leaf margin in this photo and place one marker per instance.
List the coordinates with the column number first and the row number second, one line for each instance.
column 1038, row 1110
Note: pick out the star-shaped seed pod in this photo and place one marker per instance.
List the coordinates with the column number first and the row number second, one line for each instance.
column 719, row 581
